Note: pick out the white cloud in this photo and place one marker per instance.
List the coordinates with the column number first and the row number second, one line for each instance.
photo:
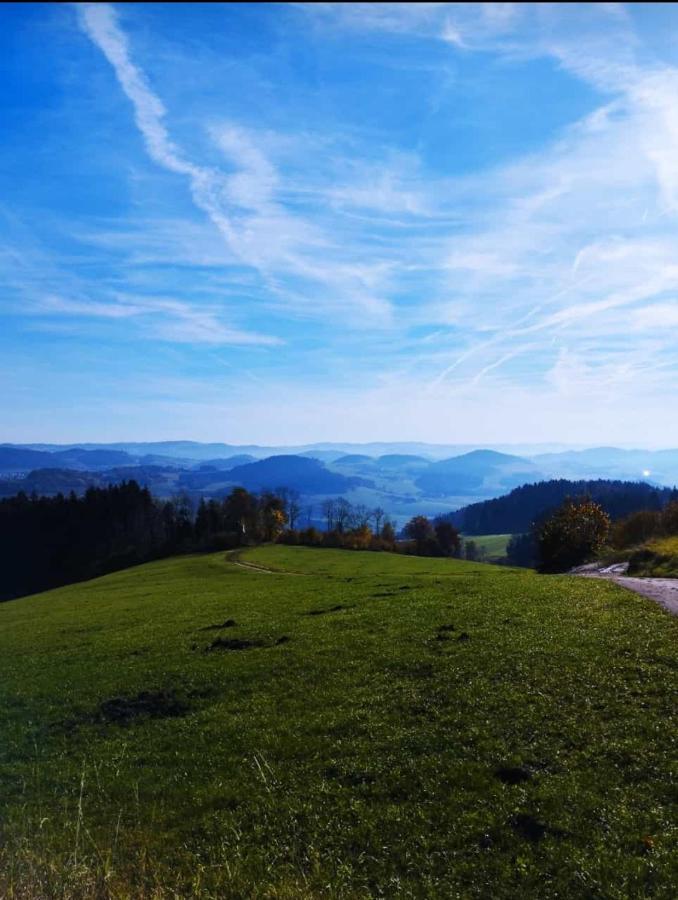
column 243, row 205
column 100, row 23
column 655, row 318
column 548, row 281
column 166, row 319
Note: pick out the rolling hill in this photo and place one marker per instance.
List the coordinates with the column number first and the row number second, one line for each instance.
column 478, row 471
column 301, row 473
column 305, row 723
column 404, row 484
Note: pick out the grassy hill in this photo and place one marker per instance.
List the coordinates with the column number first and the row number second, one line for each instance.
column 350, row 725
column 658, row 558
column 494, row 545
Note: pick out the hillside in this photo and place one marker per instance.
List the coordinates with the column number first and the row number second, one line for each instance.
column 349, row 725
column 18, row 459
column 657, row 559
column 479, row 471
column 296, row 472
column 49, row 482
column 309, row 476
column 516, row 511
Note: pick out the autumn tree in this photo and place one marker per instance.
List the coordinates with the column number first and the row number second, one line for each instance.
column 360, row 538
column 273, row 516
column 388, row 534
column 636, row 528
column 240, row 512
column 419, row 530
column 574, row 534
column 448, row 538
column 291, row 505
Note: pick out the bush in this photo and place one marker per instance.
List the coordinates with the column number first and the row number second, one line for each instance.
column 575, row 534
column 311, row 536
column 669, row 518
column 636, row 528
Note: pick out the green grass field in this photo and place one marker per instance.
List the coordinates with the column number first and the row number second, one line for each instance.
column 354, row 725
column 494, row 545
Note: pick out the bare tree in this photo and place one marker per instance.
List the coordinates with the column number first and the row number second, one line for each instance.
column 378, row 516
column 328, row 509
column 360, row 516
column 342, row 514
column 290, row 498
column 293, row 507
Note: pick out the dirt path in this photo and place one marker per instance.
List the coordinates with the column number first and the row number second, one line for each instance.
column 252, row 567
column 662, row 590
column 234, row 558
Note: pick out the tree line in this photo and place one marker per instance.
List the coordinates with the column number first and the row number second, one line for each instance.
column 515, row 512
column 357, row 527
column 51, row 541
column 580, row 530
column 348, row 526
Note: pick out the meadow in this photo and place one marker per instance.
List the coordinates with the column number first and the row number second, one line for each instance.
column 288, row 722
column 493, row 545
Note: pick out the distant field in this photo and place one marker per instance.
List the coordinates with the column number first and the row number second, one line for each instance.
column 355, row 725
column 493, row 544
column 657, row 558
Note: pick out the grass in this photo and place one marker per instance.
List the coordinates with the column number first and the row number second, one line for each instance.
column 493, row 544
column 354, row 725
column 657, row 558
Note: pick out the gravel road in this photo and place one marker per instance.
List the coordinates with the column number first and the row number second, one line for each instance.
column 662, row 590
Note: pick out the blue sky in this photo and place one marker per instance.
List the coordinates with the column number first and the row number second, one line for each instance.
column 309, row 222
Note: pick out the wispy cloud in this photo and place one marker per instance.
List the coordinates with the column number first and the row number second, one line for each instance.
column 165, row 318
column 342, row 210
column 242, row 205
column 100, row 23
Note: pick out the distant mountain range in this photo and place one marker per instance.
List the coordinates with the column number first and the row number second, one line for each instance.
column 405, row 479
column 194, row 450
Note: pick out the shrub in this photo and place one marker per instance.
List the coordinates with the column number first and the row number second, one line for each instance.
column 575, row 534
column 669, row 518
column 636, row 528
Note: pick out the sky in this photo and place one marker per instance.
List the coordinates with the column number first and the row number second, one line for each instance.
column 287, row 223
